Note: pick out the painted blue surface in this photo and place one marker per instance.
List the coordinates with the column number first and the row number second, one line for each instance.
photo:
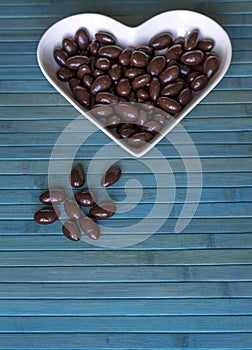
column 172, row 291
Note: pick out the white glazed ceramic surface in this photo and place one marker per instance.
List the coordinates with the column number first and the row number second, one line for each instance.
column 178, row 22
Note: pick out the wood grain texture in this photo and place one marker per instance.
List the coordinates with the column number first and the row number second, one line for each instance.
column 126, row 307
column 134, row 341
column 53, row 241
column 191, row 290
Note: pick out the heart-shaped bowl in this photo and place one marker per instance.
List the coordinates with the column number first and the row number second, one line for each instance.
column 178, row 23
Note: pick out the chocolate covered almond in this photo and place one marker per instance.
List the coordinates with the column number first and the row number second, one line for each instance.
column 112, row 175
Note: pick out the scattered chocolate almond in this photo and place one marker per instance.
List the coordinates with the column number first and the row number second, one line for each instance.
column 112, row 175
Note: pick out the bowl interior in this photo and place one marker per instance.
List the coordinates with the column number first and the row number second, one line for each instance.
column 177, row 22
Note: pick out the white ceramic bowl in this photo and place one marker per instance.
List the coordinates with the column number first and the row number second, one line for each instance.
column 178, row 22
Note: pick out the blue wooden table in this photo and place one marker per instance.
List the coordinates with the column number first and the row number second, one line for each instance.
column 190, row 289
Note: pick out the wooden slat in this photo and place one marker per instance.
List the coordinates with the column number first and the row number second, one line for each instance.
column 127, row 258
column 99, row 139
column 127, row 340
column 43, row 152
column 230, row 179
column 209, row 165
column 207, row 225
column 131, row 274
column 125, row 290
column 135, row 19
column 54, row 241
column 149, row 8
column 75, row 2
column 164, row 324
column 126, row 307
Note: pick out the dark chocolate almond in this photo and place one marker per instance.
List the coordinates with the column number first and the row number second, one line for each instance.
column 89, row 227
column 77, row 177
column 72, row 209
column 112, row 175
column 85, row 198
column 52, row 196
column 46, row 216
column 71, row 230
column 103, row 210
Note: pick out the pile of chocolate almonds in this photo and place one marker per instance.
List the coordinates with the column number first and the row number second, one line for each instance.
column 78, row 221
column 99, row 70
column 164, row 73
